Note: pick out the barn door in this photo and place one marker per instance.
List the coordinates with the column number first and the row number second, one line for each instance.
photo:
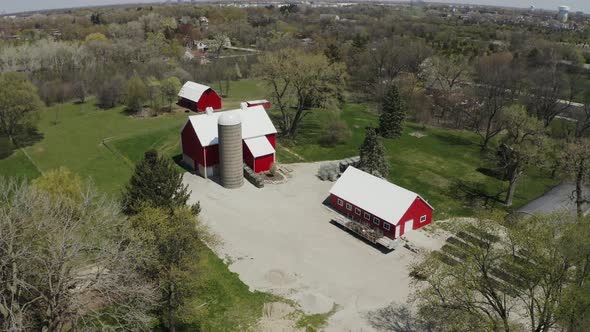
column 408, row 225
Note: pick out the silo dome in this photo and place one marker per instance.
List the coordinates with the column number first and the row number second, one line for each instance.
column 229, row 119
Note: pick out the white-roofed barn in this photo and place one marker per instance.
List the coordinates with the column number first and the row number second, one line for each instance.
column 197, row 97
column 200, row 139
column 378, row 203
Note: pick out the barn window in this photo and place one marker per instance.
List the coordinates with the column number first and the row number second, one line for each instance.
column 340, row 202
column 357, row 211
column 376, row 221
column 348, row 207
column 423, row 218
column 367, row 216
column 386, row 226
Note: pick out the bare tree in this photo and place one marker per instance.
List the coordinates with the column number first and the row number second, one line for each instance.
column 65, row 258
column 496, row 85
column 549, row 93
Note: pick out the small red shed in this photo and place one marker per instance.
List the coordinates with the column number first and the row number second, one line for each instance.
column 263, row 102
column 200, row 140
column 378, row 203
column 197, row 97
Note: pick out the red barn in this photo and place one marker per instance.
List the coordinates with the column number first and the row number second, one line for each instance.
column 200, row 140
column 378, row 203
column 265, row 103
column 198, row 97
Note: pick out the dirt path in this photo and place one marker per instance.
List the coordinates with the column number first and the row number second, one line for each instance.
column 298, row 156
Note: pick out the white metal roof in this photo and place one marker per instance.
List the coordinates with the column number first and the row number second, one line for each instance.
column 259, row 146
column 255, row 122
column 192, row 91
column 261, row 101
column 375, row 195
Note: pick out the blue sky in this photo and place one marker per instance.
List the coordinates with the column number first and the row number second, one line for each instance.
column 11, row 6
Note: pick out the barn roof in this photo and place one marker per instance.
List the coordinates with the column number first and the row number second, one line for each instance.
column 192, row 91
column 255, row 122
column 259, row 146
column 375, row 195
column 261, row 101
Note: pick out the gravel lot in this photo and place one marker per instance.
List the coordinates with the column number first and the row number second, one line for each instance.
column 280, row 239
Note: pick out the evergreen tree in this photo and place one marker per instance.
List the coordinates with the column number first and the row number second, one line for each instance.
column 392, row 115
column 155, row 183
column 372, row 155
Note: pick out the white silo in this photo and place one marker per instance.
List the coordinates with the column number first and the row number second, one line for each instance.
column 230, row 150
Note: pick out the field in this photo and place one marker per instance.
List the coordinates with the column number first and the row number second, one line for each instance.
column 444, row 166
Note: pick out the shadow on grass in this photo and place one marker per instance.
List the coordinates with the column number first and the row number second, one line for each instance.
column 475, row 194
column 26, row 136
column 493, row 173
column 180, row 163
column 452, row 139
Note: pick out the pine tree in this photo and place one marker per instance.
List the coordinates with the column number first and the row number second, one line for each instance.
column 155, row 183
column 372, row 155
column 392, row 115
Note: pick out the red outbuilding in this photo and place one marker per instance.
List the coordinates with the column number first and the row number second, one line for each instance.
column 378, row 203
column 197, row 97
column 265, row 103
column 200, row 140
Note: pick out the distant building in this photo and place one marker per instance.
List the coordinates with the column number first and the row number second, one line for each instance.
column 563, row 13
column 198, row 97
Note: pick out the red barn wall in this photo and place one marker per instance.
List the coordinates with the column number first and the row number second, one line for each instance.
column 191, row 145
column 417, row 209
column 212, row 155
column 248, row 158
column 263, row 163
column 272, row 140
column 334, row 202
column 209, row 98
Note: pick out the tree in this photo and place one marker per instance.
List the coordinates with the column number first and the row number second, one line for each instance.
column 156, row 183
column 173, row 241
column 170, row 87
column 95, row 37
column 496, row 85
column 372, row 154
column 65, row 259
column 135, row 93
column 547, row 88
column 110, row 92
column 520, row 147
column 154, row 92
column 493, row 278
column 79, row 90
column 393, row 113
column 60, row 183
column 18, row 102
column 576, row 164
column 310, row 80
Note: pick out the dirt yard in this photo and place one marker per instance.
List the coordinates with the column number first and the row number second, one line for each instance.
column 280, row 239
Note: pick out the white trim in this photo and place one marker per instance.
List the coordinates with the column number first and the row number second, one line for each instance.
column 359, row 211
column 423, row 218
column 376, row 221
column 386, row 226
column 348, row 206
column 340, row 202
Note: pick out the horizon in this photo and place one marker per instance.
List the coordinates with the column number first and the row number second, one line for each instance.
column 13, row 7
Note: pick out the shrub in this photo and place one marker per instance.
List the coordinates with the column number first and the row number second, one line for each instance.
column 337, row 132
column 273, row 169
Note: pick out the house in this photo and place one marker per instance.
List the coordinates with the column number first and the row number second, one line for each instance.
column 201, row 46
column 263, row 102
column 198, row 97
column 379, row 204
column 200, row 140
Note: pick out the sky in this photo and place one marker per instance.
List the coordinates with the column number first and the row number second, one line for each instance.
column 11, row 6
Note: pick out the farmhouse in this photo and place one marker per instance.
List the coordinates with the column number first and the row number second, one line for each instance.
column 198, row 97
column 382, row 205
column 200, row 140
column 265, row 103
